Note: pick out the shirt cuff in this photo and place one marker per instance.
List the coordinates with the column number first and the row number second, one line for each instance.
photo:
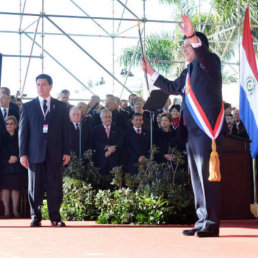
column 198, row 44
column 154, row 77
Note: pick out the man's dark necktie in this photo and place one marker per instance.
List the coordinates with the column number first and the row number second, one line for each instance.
column 5, row 113
column 45, row 106
column 77, row 139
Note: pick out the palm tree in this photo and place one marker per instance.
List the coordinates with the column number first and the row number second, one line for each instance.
column 223, row 38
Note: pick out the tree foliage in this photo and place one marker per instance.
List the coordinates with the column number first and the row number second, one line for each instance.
column 223, row 36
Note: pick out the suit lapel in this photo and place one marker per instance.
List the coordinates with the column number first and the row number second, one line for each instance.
column 38, row 108
column 52, row 113
column 103, row 129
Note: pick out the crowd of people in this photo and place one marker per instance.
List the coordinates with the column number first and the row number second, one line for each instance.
column 117, row 130
column 118, row 133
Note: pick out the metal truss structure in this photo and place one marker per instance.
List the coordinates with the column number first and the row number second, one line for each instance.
column 41, row 18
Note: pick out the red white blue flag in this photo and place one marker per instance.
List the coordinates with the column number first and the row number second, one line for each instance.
column 248, row 106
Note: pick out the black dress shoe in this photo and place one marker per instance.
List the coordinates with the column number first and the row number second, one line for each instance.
column 57, row 224
column 35, row 223
column 207, row 233
column 189, row 232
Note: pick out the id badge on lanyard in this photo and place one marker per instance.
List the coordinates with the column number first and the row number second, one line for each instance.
column 45, row 128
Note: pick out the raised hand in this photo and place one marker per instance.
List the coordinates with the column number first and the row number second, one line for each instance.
column 187, row 27
column 147, row 66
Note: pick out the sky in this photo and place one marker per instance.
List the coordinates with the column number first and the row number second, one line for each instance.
column 69, row 55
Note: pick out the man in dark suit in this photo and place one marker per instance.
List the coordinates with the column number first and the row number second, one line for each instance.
column 80, row 132
column 12, row 105
column 137, row 143
column 204, row 71
column 107, row 142
column 118, row 119
column 64, row 96
column 238, row 126
column 7, row 108
column 131, row 99
column 44, row 143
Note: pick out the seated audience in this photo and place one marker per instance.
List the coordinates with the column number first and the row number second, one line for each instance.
column 107, row 141
column 175, row 112
column 7, row 108
column 165, row 139
column 19, row 104
column 121, row 111
column 123, row 104
column 131, row 99
column 230, row 123
column 228, row 109
column 64, row 96
column 138, row 108
column 117, row 118
column 13, row 174
column 137, row 144
column 86, row 117
column 94, row 105
column 238, row 127
column 165, row 109
column 80, row 132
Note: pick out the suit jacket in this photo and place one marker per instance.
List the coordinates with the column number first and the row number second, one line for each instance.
column 129, row 110
column 85, row 132
column 206, row 82
column 164, row 141
column 36, row 144
column 10, row 148
column 99, row 143
column 13, row 111
column 118, row 119
column 136, row 145
column 146, row 120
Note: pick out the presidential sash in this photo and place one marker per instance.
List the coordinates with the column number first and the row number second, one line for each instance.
column 202, row 121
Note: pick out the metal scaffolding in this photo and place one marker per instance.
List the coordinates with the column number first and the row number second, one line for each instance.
column 113, row 35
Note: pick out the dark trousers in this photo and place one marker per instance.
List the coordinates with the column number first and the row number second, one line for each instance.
column 45, row 177
column 206, row 194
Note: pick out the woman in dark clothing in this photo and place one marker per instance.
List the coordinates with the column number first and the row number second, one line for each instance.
column 175, row 112
column 12, row 172
column 165, row 139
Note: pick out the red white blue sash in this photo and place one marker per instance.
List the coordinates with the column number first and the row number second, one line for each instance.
column 198, row 114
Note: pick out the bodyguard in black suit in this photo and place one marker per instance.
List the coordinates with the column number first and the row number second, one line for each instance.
column 137, row 144
column 7, row 109
column 204, row 70
column 107, row 142
column 44, row 142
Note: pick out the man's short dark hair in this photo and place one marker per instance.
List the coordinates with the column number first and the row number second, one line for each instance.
column 5, row 90
column 65, row 92
column 136, row 114
column 202, row 37
column 227, row 105
column 132, row 94
column 109, row 96
column 45, row 76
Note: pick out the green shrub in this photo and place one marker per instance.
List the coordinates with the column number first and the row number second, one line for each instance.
column 124, row 206
column 158, row 194
column 78, row 201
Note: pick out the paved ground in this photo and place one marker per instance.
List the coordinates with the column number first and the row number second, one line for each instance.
column 86, row 239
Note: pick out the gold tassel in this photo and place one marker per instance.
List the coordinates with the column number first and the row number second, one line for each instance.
column 214, row 166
